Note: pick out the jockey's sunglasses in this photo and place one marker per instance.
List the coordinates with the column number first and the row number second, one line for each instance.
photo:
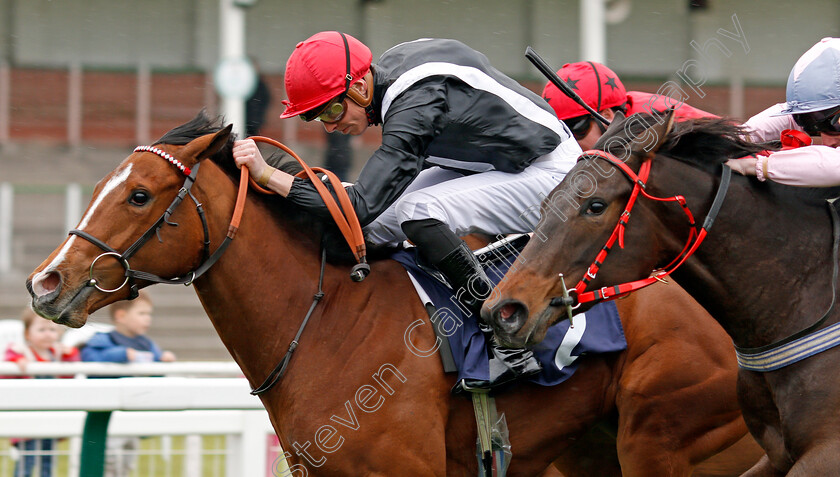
column 825, row 121
column 580, row 125
column 331, row 112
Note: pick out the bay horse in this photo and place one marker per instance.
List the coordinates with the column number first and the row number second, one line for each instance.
column 765, row 270
column 363, row 395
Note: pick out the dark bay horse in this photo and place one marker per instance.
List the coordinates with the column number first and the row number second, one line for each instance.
column 363, row 395
column 765, row 270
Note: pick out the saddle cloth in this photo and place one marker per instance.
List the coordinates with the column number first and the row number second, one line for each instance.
column 599, row 330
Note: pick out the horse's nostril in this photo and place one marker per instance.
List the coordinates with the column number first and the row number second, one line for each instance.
column 510, row 317
column 507, row 311
column 45, row 283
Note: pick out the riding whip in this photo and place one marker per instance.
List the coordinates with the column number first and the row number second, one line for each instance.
column 561, row 85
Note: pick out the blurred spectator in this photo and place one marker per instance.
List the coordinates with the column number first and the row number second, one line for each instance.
column 257, row 104
column 127, row 343
column 41, row 344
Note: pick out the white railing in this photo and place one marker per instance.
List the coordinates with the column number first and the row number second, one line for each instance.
column 183, row 368
column 141, row 406
column 130, row 394
column 245, row 435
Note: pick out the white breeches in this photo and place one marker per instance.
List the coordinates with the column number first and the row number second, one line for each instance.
column 490, row 202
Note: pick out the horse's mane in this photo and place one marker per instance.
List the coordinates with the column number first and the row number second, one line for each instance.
column 704, row 143
column 202, row 124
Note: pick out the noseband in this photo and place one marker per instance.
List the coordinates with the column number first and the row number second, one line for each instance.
column 131, row 275
column 639, row 181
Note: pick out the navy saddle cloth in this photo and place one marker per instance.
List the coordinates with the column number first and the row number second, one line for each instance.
column 599, row 330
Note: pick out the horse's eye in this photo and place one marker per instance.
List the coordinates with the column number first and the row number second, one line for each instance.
column 596, row 207
column 139, row 197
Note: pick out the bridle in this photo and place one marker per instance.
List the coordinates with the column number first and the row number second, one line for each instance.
column 187, row 279
column 579, row 295
column 790, row 349
column 341, row 211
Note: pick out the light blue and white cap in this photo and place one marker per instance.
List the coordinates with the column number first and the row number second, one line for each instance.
column 814, row 81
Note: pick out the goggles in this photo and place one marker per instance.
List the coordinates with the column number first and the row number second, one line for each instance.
column 331, row 112
column 825, row 121
column 580, row 125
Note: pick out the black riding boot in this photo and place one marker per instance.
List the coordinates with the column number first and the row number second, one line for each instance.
column 467, row 278
column 471, row 286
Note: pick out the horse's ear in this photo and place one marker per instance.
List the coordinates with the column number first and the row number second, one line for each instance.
column 207, row 145
column 615, row 124
column 652, row 138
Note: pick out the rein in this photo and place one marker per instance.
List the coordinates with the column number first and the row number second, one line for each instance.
column 795, row 347
column 639, row 183
column 344, row 216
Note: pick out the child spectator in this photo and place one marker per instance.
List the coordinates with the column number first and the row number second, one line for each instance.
column 41, row 344
column 127, row 343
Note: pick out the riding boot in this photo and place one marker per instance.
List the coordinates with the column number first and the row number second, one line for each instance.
column 468, row 280
column 438, row 246
column 508, row 364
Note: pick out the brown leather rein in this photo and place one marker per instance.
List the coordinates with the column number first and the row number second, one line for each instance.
column 344, row 215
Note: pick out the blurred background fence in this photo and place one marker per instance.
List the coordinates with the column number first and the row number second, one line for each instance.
column 194, row 419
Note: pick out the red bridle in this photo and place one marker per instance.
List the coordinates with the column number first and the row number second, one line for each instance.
column 639, row 180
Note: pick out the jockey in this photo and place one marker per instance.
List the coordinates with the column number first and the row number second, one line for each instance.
column 813, row 106
column 600, row 88
column 465, row 149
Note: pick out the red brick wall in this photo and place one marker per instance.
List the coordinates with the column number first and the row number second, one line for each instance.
column 39, row 103
column 39, row 106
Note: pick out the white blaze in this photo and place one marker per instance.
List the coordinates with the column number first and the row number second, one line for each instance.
column 112, row 184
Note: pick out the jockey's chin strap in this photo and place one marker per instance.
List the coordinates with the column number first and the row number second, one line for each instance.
column 639, row 181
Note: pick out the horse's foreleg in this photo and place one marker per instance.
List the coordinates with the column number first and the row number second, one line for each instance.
column 823, row 459
column 592, row 455
column 763, row 468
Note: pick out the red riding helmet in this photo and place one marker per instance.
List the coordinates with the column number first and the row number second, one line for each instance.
column 596, row 84
column 321, row 68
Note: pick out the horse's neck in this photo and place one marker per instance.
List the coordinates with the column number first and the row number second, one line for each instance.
column 257, row 294
column 763, row 258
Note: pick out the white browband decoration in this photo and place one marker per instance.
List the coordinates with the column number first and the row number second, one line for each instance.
column 175, row 162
